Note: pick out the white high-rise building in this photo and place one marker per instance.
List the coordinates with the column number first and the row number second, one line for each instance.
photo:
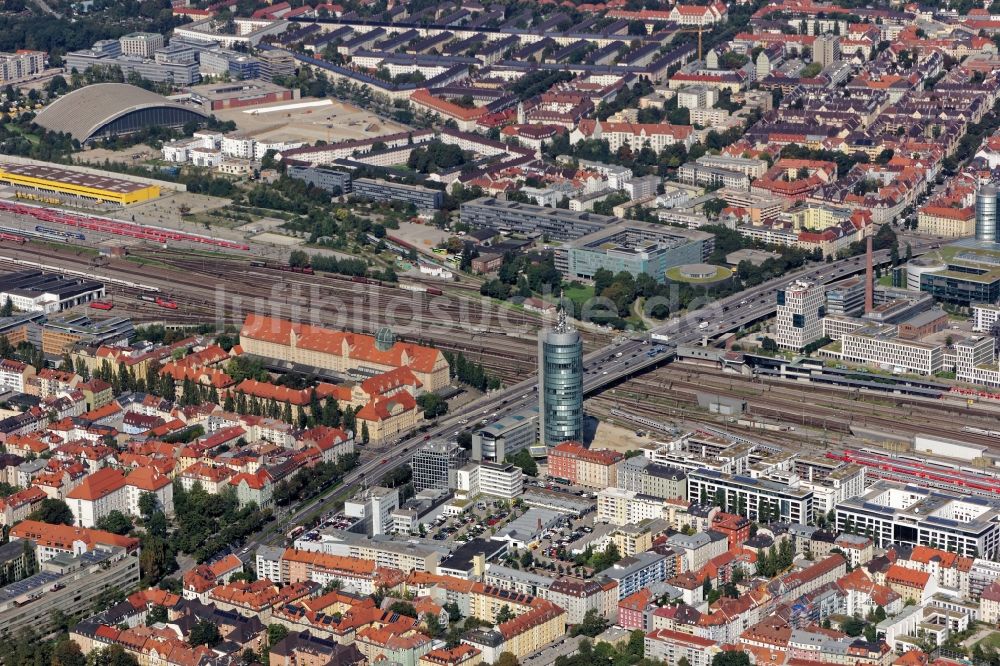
column 801, row 308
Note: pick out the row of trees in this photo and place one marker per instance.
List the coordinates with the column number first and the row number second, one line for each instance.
column 470, row 372
column 312, row 481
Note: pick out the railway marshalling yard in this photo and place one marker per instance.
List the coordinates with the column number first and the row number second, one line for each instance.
column 222, row 288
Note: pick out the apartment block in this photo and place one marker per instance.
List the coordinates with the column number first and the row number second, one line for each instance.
column 586, row 467
column 637, row 572
column 626, row 507
column 35, row 602
column 792, row 504
column 20, row 66
column 578, row 596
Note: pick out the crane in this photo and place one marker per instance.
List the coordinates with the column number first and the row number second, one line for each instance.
column 700, row 29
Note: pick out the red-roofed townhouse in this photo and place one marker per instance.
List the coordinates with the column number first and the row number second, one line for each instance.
column 15, row 374
column 672, row 646
column 911, row 584
column 15, row 508
column 256, row 488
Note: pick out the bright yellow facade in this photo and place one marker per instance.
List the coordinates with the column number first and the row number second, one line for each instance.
column 115, row 192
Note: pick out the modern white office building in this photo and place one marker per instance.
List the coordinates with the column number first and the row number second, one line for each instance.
column 801, row 308
column 896, row 513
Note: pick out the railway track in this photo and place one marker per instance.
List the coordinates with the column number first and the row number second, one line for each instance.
column 829, row 409
column 507, row 356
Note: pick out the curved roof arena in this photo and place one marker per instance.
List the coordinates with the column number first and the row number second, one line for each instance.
column 113, row 109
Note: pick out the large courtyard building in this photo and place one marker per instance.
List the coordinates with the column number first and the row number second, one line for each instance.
column 322, row 348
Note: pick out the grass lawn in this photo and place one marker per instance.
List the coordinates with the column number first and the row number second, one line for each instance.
column 992, row 640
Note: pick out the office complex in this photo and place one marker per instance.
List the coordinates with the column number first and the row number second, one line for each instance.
column 560, row 385
column 513, row 216
column 329, row 180
column 636, row 248
column 501, row 439
column 423, row 198
column 800, row 315
column 970, row 273
column 751, row 497
column 142, row 44
column 896, row 513
column 435, row 465
column 846, row 298
column 505, row 481
column 986, row 214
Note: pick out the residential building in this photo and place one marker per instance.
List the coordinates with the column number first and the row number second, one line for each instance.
column 578, row 596
column 637, row 572
column 586, row 467
column 52, row 540
column 751, row 497
column 20, row 66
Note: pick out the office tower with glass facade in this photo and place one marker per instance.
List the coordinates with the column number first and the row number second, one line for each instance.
column 560, row 383
column 986, row 214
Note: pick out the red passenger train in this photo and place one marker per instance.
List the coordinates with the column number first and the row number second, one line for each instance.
column 105, row 225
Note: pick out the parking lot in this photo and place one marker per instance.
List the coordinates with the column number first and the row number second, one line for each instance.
column 484, row 518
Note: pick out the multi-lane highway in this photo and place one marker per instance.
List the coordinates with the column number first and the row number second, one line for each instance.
column 602, row 368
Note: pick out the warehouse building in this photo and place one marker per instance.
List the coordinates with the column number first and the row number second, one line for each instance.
column 35, row 291
column 636, row 248
column 113, row 109
column 238, row 94
column 36, row 178
column 517, row 217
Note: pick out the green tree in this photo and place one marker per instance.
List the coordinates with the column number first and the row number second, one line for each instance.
column 434, row 627
column 593, row 625
column 729, row 658
column 403, row 608
column 53, row 511
column 156, row 614
column 505, row 614
column 527, row 464
column 204, row 633
column 507, row 659
column 276, row 633
column 116, row 522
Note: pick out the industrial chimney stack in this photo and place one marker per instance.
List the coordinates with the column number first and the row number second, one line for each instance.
column 869, row 279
